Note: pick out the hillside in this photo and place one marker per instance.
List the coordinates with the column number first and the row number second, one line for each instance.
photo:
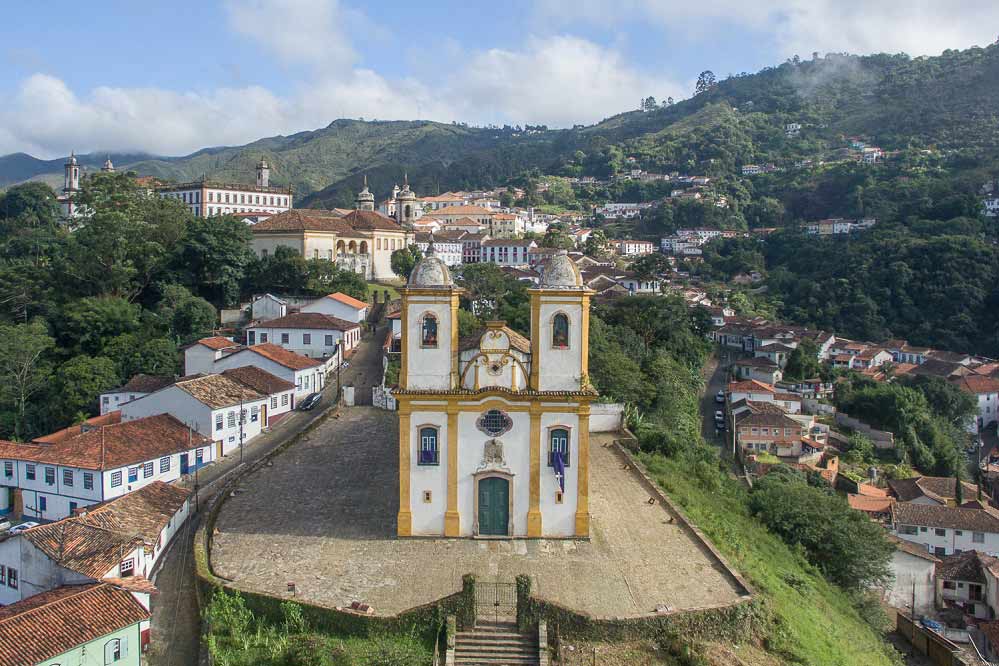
column 950, row 102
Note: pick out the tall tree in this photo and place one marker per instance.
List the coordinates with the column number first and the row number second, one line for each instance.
column 214, row 257
column 705, row 81
column 24, row 367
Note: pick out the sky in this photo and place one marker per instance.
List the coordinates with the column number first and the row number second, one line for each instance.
column 170, row 78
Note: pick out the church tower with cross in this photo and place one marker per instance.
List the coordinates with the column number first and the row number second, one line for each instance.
column 494, row 428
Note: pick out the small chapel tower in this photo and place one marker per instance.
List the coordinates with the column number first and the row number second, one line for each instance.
column 263, row 174
column 560, row 328
column 108, row 165
column 430, row 327
column 72, row 177
column 405, row 204
column 365, row 199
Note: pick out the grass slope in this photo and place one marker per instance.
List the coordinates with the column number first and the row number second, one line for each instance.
column 815, row 622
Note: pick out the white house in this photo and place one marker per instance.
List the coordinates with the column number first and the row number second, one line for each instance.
column 914, row 572
column 219, row 407
column 307, row 374
column 200, row 356
column 631, row 248
column 944, row 530
column 267, row 306
column 205, row 198
column 969, row 581
column 52, row 477
column 311, row 334
column 123, row 538
column 280, row 392
column 136, row 387
column 986, row 392
column 447, row 244
column 507, row 251
column 341, row 306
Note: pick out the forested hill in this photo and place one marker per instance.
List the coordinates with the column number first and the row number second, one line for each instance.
column 948, row 102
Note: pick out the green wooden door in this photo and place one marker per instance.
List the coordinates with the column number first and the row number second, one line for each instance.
column 494, row 506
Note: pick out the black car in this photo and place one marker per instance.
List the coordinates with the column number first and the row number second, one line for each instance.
column 310, row 401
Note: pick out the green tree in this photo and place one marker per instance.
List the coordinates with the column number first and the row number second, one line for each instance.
column 851, row 551
column 88, row 324
column 651, row 266
column 79, row 381
column 595, row 244
column 214, row 257
column 803, row 361
column 283, row 272
column 24, row 368
column 405, row 260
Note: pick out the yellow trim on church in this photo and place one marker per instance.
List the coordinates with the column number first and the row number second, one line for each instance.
column 583, row 475
column 452, row 518
column 534, row 508
column 405, row 518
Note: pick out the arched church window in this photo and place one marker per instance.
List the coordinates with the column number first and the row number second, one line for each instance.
column 409, row 211
column 558, row 444
column 428, row 337
column 560, row 331
column 429, row 452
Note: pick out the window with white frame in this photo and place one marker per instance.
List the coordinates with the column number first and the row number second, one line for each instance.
column 429, row 452
column 284, row 400
column 12, row 578
column 558, row 442
column 164, row 464
column 306, row 338
column 978, row 537
column 115, row 479
column 88, row 480
column 127, row 567
column 254, row 414
column 147, row 469
column 231, row 419
column 274, row 402
column 67, row 477
column 218, row 421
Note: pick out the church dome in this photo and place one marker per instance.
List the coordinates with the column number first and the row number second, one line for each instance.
column 431, row 272
column 561, row 272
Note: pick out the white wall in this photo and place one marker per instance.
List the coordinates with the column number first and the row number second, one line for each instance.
column 111, row 402
column 58, row 495
column 560, row 369
column 267, row 307
column 950, row 540
column 306, row 381
column 606, row 417
column 199, row 358
column 318, row 346
column 335, row 308
column 428, row 368
column 558, row 520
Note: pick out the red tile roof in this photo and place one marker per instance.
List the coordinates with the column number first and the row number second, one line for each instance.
column 111, row 446
column 48, row 624
column 978, row 384
column 218, row 391
column 144, row 512
column 282, row 356
column 348, row 300
column 869, row 504
column 750, row 385
column 217, row 342
column 79, row 546
column 310, row 320
column 110, row 418
column 258, row 380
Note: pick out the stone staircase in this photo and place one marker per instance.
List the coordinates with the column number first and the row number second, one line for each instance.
column 495, row 643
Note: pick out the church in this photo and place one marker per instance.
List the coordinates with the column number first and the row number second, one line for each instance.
column 494, row 430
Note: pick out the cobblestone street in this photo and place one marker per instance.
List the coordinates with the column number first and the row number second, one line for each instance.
column 323, row 517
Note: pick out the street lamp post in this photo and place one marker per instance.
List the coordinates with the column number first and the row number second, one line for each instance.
column 241, row 419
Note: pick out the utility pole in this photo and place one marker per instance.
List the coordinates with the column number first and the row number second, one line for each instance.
column 190, row 445
column 241, row 419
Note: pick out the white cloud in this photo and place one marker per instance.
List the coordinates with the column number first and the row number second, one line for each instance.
column 557, row 81
column 309, row 32
column 917, row 27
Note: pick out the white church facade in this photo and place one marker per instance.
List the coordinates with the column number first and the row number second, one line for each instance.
column 494, row 431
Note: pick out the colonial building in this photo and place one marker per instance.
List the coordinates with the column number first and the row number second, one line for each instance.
column 361, row 240
column 209, row 198
column 494, row 430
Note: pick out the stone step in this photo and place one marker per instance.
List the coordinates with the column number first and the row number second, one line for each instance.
column 518, row 642
column 498, row 660
column 492, row 635
column 496, row 649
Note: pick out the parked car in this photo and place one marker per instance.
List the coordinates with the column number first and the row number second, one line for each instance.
column 720, row 396
column 346, row 364
column 310, row 401
column 23, row 527
column 719, row 416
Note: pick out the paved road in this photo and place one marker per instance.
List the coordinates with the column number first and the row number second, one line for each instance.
column 176, row 623
column 715, row 374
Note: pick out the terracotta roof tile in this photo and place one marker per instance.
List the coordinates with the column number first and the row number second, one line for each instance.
column 144, row 512
column 912, row 548
column 146, row 383
column 978, row 384
column 282, row 356
column 111, row 446
column 750, row 385
column 259, row 380
column 347, row 300
column 82, row 547
column 110, row 418
column 217, row 342
column 310, row 320
column 936, row 515
column 303, row 219
column 48, row 624
column 451, row 211
column 869, row 504
column 218, row 391
column 968, row 566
